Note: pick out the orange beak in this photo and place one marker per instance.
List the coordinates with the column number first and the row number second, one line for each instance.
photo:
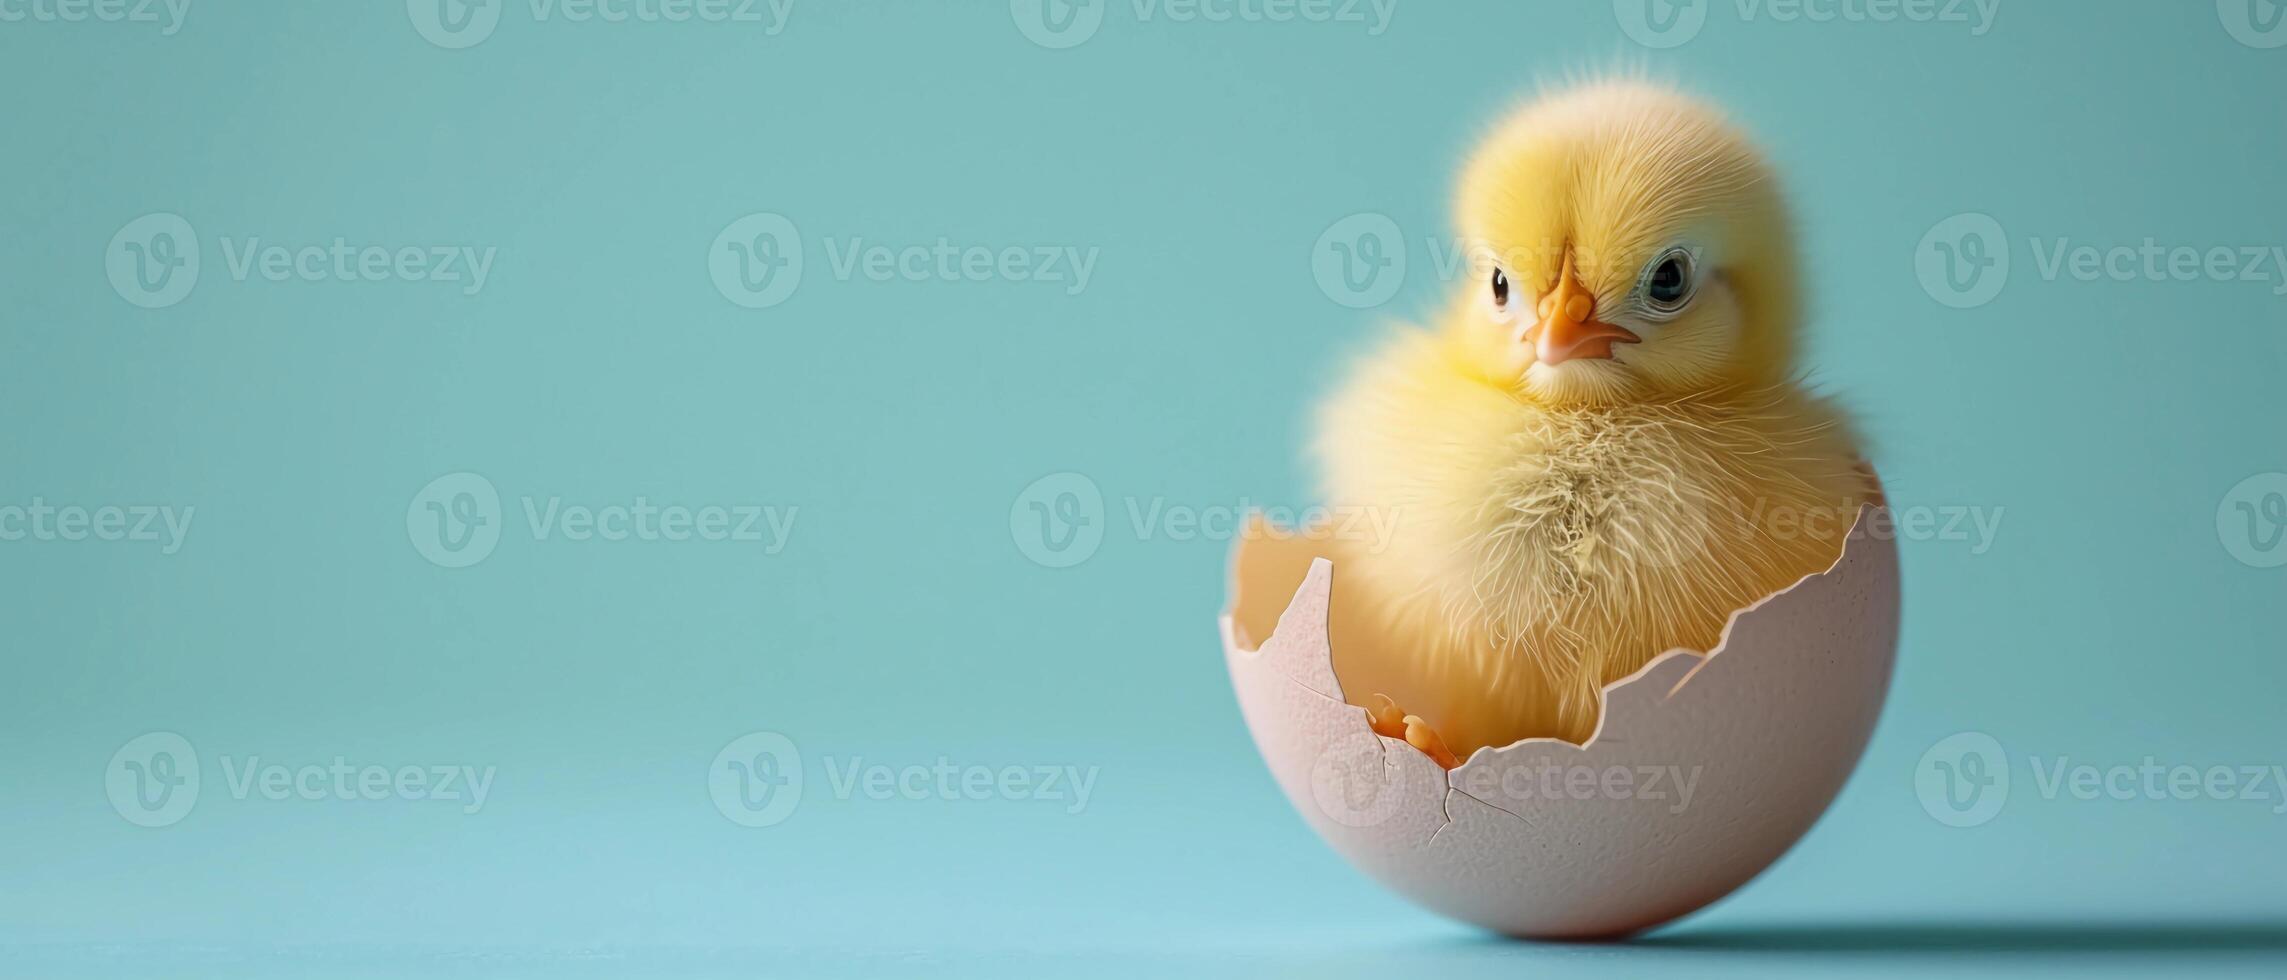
column 1568, row 327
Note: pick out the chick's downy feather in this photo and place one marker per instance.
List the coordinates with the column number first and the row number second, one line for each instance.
column 1560, row 523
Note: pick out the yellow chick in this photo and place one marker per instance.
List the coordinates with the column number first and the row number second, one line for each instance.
column 1604, row 448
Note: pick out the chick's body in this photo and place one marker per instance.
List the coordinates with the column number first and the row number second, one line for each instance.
column 1566, row 510
column 1542, row 553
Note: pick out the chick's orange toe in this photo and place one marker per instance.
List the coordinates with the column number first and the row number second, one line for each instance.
column 1421, row 736
column 1387, row 718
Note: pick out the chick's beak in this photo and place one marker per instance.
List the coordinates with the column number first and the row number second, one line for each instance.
column 1568, row 327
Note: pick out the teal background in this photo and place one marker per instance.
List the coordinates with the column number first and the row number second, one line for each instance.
column 2107, row 422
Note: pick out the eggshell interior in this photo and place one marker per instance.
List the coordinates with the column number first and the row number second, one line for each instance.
column 1766, row 728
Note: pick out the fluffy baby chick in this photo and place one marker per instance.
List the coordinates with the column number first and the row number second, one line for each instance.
column 1603, row 449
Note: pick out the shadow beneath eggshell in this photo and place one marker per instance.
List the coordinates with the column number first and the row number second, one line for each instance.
column 2102, row 938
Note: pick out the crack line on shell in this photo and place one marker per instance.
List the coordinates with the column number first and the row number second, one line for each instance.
column 1382, row 743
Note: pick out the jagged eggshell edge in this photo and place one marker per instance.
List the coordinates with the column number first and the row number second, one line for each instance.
column 1765, row 728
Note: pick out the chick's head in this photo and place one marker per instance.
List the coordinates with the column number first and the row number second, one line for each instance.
column 1629, row 245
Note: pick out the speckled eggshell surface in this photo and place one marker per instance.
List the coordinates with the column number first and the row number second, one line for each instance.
column 1704, row 770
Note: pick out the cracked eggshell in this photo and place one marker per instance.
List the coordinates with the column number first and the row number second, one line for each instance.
column 1703, row 771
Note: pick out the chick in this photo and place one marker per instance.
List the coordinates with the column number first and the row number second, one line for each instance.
column 1602, row 449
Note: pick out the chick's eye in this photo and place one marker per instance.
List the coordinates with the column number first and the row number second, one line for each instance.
column 1668, row 284
column 1500, row 290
